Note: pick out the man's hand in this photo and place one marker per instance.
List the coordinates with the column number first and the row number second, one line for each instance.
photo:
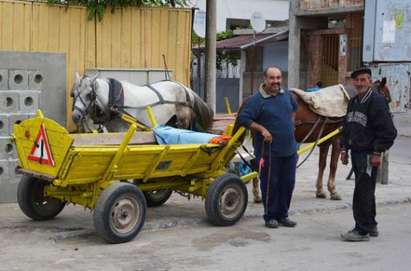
column 267, row 136
column 375, row 159
column 344, row 157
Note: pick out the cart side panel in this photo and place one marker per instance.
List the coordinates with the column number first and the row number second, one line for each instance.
column 25, row 135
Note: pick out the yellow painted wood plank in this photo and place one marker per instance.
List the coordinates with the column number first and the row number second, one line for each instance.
column 34, row 38
column 90, row 45
column 43, row 28
column 126, row 33
column 115, row 29
column 163, row 35
column 147, row 13
column 136, row 38
column 28, row 14
column 106, row 40
column 155, row 38
column 172, row 40
column 18, row 27
column 180, row 54
column 7, row 26
column 54, row 16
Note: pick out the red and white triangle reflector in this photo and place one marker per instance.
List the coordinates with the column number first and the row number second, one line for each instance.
column 41, row 152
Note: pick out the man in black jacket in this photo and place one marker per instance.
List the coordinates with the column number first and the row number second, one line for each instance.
column 368, row 131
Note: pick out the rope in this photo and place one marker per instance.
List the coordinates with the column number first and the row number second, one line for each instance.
column 315, row 144
column 261, row 164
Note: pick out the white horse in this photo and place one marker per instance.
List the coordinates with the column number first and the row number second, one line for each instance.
column 102, row 99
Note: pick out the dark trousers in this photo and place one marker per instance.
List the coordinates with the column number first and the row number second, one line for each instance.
column 364, row 192
column 279, row 188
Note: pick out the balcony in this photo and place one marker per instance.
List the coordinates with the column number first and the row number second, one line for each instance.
column 325, row 7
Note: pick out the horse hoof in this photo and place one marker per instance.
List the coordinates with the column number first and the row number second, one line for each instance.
column 320, row 195
column 258, row 199
column 335, row 196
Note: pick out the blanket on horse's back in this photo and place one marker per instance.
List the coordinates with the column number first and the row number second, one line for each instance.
column 328, row 102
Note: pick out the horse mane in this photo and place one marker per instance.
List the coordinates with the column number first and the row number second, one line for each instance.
column 203, row 112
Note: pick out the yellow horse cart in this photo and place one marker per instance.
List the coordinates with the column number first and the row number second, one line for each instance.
column 116, row 174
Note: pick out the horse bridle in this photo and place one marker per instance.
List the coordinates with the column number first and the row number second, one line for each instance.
column 90, row 108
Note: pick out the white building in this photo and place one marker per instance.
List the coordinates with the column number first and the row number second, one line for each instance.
column 238, row 12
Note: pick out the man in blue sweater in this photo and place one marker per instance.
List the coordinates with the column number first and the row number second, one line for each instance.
column 270, row 115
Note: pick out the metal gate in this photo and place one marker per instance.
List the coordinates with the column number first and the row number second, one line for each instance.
column 329, row 59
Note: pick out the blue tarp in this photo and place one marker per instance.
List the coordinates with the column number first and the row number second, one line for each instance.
column 170, row 135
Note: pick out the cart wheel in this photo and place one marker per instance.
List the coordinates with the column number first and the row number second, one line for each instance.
column 157, row 197
column 33, row 203
column 120, row 213
column 226, row 200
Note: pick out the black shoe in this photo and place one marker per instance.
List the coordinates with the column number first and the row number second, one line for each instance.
column 286, row 222
column 354, row 236
column 373, row 232
column 272, row 223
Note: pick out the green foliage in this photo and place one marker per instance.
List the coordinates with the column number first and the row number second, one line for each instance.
column 225, row 35
column 97, row 8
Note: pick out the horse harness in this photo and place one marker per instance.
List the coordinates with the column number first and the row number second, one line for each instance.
column 116, row 102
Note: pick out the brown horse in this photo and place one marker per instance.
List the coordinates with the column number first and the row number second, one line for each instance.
column 309, row 127
column 305, row 120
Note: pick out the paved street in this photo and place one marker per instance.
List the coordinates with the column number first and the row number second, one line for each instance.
column 177, row 237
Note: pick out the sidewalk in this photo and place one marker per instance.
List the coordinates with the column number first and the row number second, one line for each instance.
column 402, row 122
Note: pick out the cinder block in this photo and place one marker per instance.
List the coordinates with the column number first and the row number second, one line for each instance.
column 4, row 79
column 29, row 101
column 4, row 125
column 14, row 174
column 18, row 79
column 4, row 170
column 7, row 149
column 9, row 101
column 16, row 119
column 36, row 79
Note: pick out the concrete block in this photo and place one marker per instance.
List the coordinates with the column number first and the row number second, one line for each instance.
column 4, row 125
column 7, row 149
column 4, row 79
column 4, row 170
column 18, row 79
column 36, row 79
column 14, row 174
column 9, row 101
column 29, row 101
column 16, row 119
column 53, row 85
column 8, row 183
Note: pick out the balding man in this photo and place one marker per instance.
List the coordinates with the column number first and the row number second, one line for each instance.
column 269, row 114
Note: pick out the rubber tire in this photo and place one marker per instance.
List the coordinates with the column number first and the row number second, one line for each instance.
column 103, row 208
column 156, row 202
column 212, row 202
column 30, row 194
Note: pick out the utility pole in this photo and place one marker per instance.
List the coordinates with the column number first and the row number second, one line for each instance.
column 211, row 54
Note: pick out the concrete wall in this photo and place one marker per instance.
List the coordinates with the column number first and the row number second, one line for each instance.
column 399, row 83
column 242, row 9
column 227, row 87
column 387, row 31
column 39, row 71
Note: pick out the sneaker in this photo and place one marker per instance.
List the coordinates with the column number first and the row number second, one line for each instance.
column 286, row 222
column 354, row 236
column 373, row 232
column 272, row 223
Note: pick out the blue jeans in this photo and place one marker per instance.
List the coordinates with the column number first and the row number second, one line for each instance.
column 279, row 187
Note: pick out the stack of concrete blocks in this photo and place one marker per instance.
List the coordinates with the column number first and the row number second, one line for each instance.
column 19, row 99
